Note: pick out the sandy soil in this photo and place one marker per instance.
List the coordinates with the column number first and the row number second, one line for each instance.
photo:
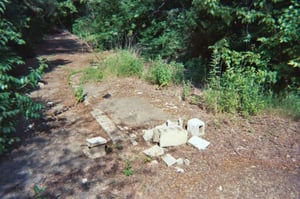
column 255, row 157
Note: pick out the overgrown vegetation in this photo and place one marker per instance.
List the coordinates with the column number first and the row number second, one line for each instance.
column 123, row 63
column 244, row 54
column 164, row 74
column 241, row 52
column 22, row 24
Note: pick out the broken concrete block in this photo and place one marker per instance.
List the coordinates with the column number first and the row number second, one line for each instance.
column 169, row 160
column 91, row 142
column 154, row 151
column 179, row 161
column 172, row 136
column 148, row 135
column 156, row 135
column 198, row 142
column 95, row 152
column 195, row 127
column 186, row 162
column 170, row 123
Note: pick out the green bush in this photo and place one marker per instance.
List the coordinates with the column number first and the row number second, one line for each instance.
column 242, row 87
column 14, row 101
column 164, row 74
column 123, row 63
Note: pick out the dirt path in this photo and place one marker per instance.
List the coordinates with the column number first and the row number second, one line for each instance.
column 257, row 157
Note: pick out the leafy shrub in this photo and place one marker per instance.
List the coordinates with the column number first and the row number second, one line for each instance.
column 241, row 88
column 123, row 63
column 14, row 101
column 164, row 74
column 79, row 95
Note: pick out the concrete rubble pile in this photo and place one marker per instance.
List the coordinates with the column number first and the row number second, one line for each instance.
column 174, row 134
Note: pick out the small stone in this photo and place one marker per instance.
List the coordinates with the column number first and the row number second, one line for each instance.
column 133, row 142
column 41, row 84
column 84, row 180
column 133, row 136
column 50, row 103
column 195, row 127
column 179, row 161
column 220, row 188
column 169, row 159
column 186, row 162
column 153, row 162
column 154, row 151
column 148, row 135
column 95, row 141
column 179, row 170
column 199, row 143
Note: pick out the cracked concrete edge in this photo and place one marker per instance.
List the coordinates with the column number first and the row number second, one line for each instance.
column 107, row 125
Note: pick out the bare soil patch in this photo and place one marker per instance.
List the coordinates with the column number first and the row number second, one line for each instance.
column 255, row 157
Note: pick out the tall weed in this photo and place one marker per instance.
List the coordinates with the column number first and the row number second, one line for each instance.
column 123, row 63
column 164, row 74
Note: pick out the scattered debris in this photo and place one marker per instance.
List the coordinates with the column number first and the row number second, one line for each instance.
column 132, row 138
column 84, row 180
column 195, row 127
column 169, row 159
column 186, row 162
column 96, row 141
column 198, row 142
column 148, row 135
column 179, row 170
column 220, row 188
column 154, row 151
column 179, row 161
column 168, row 134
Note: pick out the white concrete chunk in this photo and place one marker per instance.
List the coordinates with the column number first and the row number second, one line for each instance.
column 198, row 142
column 196, row 127
column 179, row 161
column 187, row 162
column 169, row 160
column 156, row 135
column 172, row 136
column 91, row 142
column 148, row 135
column 154, row 151
column 170, row 123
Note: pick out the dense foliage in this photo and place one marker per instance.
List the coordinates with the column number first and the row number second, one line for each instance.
column 240, row 38
column 22, row 24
